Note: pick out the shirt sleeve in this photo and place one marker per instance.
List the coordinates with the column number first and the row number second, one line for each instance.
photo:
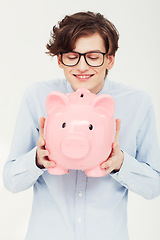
column 20, row 171
column 141, row 174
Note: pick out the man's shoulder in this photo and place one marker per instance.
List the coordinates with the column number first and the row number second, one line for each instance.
column 121, row 90
column 45, row 87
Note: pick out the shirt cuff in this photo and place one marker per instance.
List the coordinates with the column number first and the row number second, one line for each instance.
column 32, row 168
column 124, row 175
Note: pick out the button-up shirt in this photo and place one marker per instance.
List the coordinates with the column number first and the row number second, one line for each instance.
column 74, row 206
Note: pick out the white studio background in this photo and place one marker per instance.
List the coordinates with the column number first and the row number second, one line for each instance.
column 24, row 31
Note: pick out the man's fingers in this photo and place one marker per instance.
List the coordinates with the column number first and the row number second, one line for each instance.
column 44, row 153
column 41, row 126
column 115, row 149
column 118, row 125
column 110, row 162
column 108, row 167
column 106, row 164
column 41, row 142
column 49, row 164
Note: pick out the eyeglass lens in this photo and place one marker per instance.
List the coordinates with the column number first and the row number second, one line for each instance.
column 92, row 58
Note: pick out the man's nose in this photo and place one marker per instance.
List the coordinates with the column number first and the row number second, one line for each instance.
column 82, row 65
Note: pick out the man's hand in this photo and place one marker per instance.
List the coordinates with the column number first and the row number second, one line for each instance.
column 42, row 154
column 115, row 160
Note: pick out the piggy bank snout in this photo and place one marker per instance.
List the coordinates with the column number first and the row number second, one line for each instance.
column 75, row 147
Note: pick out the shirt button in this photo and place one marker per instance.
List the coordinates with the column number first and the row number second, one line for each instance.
column 80, row 194
column 79, row 220
column 121, row 176
column 132, row 185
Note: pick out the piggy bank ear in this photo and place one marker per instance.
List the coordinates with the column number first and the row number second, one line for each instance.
column 105, row 104
column 55, row 101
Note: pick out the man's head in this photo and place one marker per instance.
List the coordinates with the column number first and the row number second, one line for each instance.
column 84, row 32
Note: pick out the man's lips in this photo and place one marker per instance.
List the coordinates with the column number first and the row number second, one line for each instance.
column 83, row 76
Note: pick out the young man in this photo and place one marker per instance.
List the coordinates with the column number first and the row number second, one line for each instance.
column 74, row 206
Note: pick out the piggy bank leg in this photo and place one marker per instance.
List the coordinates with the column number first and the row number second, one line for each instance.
column 58, row 170
column 95, row 172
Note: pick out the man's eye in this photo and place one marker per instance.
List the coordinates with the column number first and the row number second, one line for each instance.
column 72, row 57
column 93, row 58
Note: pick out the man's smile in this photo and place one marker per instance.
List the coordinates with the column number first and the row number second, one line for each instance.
column 83, row 77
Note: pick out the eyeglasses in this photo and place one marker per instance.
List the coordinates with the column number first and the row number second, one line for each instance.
column 93, row 59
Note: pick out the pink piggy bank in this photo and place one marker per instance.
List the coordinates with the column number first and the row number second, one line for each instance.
column 79, row 131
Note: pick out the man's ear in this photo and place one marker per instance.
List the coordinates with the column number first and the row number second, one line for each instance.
column 111, row 60
column 59, row 60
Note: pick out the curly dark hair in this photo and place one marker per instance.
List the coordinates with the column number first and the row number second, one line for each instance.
column 64, row 36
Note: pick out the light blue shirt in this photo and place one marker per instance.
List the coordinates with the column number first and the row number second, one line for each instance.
column 73, row 206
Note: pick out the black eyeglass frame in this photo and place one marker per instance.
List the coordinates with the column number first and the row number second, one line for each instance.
column 82, row 54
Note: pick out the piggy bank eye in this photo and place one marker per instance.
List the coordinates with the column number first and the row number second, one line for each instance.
column 90, row 127
column 63, row 125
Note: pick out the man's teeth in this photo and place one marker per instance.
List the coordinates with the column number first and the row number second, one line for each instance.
column 83, row 76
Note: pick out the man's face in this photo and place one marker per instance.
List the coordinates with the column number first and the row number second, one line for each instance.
column 83, row 75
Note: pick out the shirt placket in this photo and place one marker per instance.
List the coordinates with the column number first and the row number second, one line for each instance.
column 80, row 205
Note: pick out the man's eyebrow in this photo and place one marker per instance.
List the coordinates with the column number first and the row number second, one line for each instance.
column 95, row 50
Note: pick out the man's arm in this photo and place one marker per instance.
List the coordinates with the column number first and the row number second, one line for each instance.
column 140, row 173
column 21, row 170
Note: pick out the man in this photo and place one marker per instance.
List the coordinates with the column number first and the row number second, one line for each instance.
column 74, row 206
